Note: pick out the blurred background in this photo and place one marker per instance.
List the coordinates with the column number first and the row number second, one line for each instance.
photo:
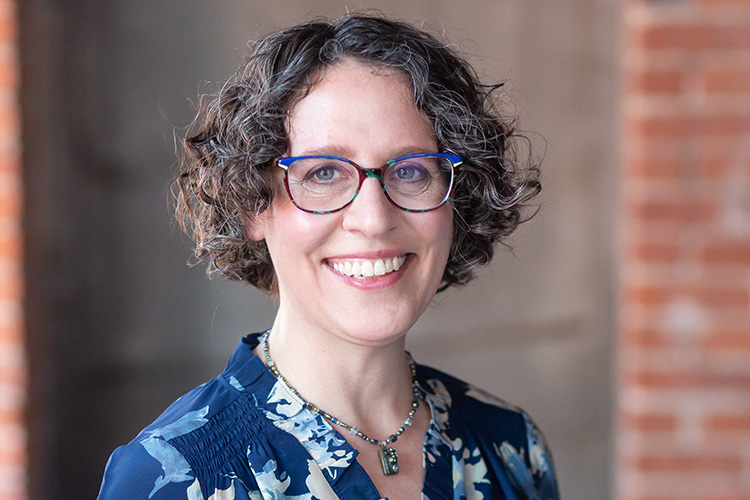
column 620, row 320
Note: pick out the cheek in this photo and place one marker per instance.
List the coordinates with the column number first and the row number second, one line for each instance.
column 437, row 232
column 446, row 242
column 292, row 232
column 443, row 226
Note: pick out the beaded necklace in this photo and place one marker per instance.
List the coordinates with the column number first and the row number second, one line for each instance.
column 388, row 456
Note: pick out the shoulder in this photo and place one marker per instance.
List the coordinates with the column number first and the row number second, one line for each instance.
column 168, row 458
column 476, row 418
column 150, row 466
column 463, row 400
column 146, row 470
column 197, row 437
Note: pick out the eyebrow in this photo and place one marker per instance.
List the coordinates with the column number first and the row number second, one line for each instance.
column 344, row 152
column 329, row 150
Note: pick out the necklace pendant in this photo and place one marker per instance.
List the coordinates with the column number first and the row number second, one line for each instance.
column 389, row 461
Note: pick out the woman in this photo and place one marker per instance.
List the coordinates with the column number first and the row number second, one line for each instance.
column 351, row 169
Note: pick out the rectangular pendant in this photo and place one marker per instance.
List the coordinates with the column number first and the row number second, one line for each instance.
column 389, row 461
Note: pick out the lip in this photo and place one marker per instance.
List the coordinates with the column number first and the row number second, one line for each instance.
column 367, row 268
column 373, row 282
column 371, row 255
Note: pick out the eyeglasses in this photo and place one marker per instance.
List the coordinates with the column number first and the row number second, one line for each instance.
column 327, row 184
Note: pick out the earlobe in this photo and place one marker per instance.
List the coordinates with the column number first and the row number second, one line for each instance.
column 255, row 227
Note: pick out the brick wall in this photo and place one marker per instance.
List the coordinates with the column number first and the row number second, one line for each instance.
column 12, row 365
column 684, row 346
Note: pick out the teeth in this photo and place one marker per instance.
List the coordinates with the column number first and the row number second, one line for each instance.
column 369, row 268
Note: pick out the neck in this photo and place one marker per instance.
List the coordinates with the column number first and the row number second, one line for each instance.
column 367, row 386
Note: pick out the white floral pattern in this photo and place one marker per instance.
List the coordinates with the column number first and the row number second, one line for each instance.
column 245, row 436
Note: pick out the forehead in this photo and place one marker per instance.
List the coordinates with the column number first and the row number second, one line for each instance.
column 355, row 106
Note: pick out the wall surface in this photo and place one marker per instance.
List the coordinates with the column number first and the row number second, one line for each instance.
column 684, row 391
column 12, row 357
column 119, row 327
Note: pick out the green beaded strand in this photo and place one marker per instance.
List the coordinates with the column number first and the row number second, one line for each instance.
column 353, row 430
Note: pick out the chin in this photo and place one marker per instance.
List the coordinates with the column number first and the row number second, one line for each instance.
column 371, row 334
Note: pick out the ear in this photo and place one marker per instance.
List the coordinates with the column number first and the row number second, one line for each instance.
column 255, row 226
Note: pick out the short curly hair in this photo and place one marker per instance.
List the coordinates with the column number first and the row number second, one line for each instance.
column 224, row 176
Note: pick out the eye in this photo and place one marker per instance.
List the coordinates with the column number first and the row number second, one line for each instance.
column 406, row 172
column 325, row 173
column 409, row 172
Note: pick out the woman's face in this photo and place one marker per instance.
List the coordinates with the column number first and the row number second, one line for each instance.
column 367, row 115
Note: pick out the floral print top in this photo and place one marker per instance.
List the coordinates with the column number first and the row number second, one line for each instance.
column 244, row 435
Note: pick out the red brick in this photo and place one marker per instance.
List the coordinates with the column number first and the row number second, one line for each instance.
column 729, row 422
column 11, row 247
column 10, row 418
column 720, row 297
column 694, row 463
column 712, row 168
column 656, row 82
column 650, row 422
column 693, row 37
column 11, row 332
column 690, row 126
column 732, row 252
column 723, row 3
column 649, row 295
column 11, row 291
column 8, row 28
column 655, row 252
column 739, row 496
column 674, row 379
column 12, row 457
column 10, row 203
column 661, row 36
column 685, row 212
column 646, row 337
column 737, row 340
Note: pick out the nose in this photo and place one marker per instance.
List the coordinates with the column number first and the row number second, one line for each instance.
column 370, row 213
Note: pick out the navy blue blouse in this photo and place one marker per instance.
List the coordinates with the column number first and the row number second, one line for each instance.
column 244, row 435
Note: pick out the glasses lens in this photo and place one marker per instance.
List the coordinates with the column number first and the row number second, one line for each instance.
column 419, row 182
column 322, row 184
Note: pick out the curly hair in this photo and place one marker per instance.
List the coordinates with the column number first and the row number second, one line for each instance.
column 224, row 179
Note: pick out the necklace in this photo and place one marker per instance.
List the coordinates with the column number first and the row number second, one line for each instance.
column 388, row 456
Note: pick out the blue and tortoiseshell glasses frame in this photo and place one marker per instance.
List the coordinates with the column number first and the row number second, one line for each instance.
column 332, row 199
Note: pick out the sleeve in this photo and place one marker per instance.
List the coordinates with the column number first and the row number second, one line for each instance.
column 542, row 465
column 533, row 478
column 151, row 469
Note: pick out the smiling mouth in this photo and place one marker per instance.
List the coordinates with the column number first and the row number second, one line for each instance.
column 368, row 268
